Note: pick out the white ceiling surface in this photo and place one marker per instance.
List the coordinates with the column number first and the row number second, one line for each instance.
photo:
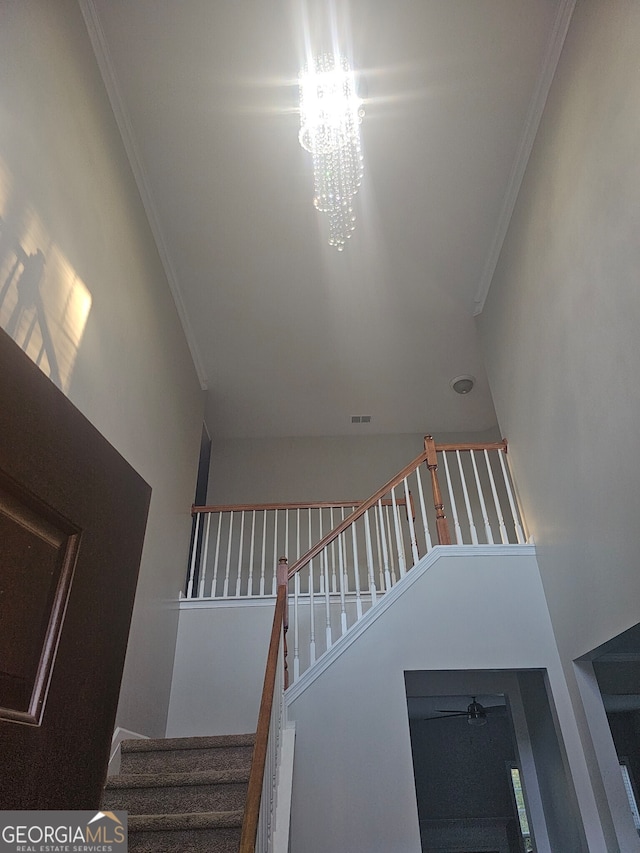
column 290, row 337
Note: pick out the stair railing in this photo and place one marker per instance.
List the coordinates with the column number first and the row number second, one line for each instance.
column 235, row 547
column 473, row 489
column 373, row 549
column 260, row 809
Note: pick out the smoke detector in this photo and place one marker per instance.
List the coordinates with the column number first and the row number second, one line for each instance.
column 463, row 384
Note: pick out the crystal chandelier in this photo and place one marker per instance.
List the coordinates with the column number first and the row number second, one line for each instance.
column 330, row 116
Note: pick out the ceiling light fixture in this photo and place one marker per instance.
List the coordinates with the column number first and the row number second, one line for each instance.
column 330, row 117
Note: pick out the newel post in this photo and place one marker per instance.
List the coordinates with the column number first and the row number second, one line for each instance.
column 282, row 577
column 432, row 464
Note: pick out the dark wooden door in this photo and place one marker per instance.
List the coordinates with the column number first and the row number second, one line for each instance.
column 72, row 520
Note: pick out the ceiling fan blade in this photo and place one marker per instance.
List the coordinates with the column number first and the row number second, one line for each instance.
column 451, row 711
column 445, row 714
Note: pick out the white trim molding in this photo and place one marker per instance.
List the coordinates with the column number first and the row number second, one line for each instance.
column 109, row 78
column 119, row 735
column 534, row 115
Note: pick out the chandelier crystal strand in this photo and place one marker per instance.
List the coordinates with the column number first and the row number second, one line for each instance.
column 330, row 117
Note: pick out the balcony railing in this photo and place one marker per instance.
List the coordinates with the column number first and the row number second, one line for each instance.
column 450, row 493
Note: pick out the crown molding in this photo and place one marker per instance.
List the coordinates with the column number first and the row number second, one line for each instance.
column 534, row 115
column 105, row 65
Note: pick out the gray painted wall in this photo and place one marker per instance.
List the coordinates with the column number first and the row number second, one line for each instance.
column 353, row 773
column 560, row 334
column 66, row 189
column 315, row 468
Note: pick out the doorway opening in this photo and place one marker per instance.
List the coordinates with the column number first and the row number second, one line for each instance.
column 200, row 499
column 489, row 765
column 616, row 667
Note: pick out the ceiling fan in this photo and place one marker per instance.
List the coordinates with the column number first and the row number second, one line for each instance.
column 476, row 713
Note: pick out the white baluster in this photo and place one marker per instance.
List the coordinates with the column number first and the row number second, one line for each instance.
column 343, row 608
column 312, row 617
column 452, row 501
column 321, row 578
column 296, row 627
column 263, row 557
column 412, row 530
column 251, row 552
column 194, row 552
column 334, row 582
column 214, row 582
column 225, row 590
column 324, row 586
column 399, row 538
column 371, row 570
column 240, row 547
column 392, row 552
column 327, row 598
column 423, row 511
column 285, row 550
column 501, row 527
column 385, row 550
column 381, row 561
column 312, row 614
column 520, row 538
column 343, row 557
column 356, row 572
column 485, row 517
column 274, row 582
column 205, row 554
column 467, row 502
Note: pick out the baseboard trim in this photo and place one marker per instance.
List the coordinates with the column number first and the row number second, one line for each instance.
column 119, row 735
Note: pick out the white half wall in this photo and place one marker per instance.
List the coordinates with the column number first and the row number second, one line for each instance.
column 115, row 344
column 221, row 654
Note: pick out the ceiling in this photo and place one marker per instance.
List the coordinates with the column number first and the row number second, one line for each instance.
column 290, row 337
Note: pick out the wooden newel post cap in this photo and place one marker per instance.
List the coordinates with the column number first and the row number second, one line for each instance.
column 283, row 571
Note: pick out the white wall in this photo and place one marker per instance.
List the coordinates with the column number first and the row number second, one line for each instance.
column 67, row 190
column 221, row 655
column 560, row 333
column 353, row 774
column 314, row 469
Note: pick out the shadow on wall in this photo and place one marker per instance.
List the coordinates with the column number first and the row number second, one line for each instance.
column 44, row 306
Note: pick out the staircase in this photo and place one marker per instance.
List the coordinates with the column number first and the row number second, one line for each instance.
column 183, row 795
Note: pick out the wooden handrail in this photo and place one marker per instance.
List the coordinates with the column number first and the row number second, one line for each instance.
column 488, row 445
column 356, row 514
column 258, row 761
column 260, row 507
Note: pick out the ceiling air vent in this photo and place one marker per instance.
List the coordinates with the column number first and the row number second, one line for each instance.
column 361, row 419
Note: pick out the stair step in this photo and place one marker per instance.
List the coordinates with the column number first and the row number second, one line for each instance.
column 221, row 752
column 201, row 832
column 168, row 793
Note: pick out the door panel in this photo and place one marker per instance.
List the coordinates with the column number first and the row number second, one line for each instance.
column 72, row 520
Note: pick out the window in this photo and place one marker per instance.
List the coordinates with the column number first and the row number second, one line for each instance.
column 631, row 796
column 518, row 793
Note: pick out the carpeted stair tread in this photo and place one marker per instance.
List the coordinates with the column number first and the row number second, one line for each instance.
column 183, row 795
column 188, row 820
column 210, row 742
column 174, row 780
